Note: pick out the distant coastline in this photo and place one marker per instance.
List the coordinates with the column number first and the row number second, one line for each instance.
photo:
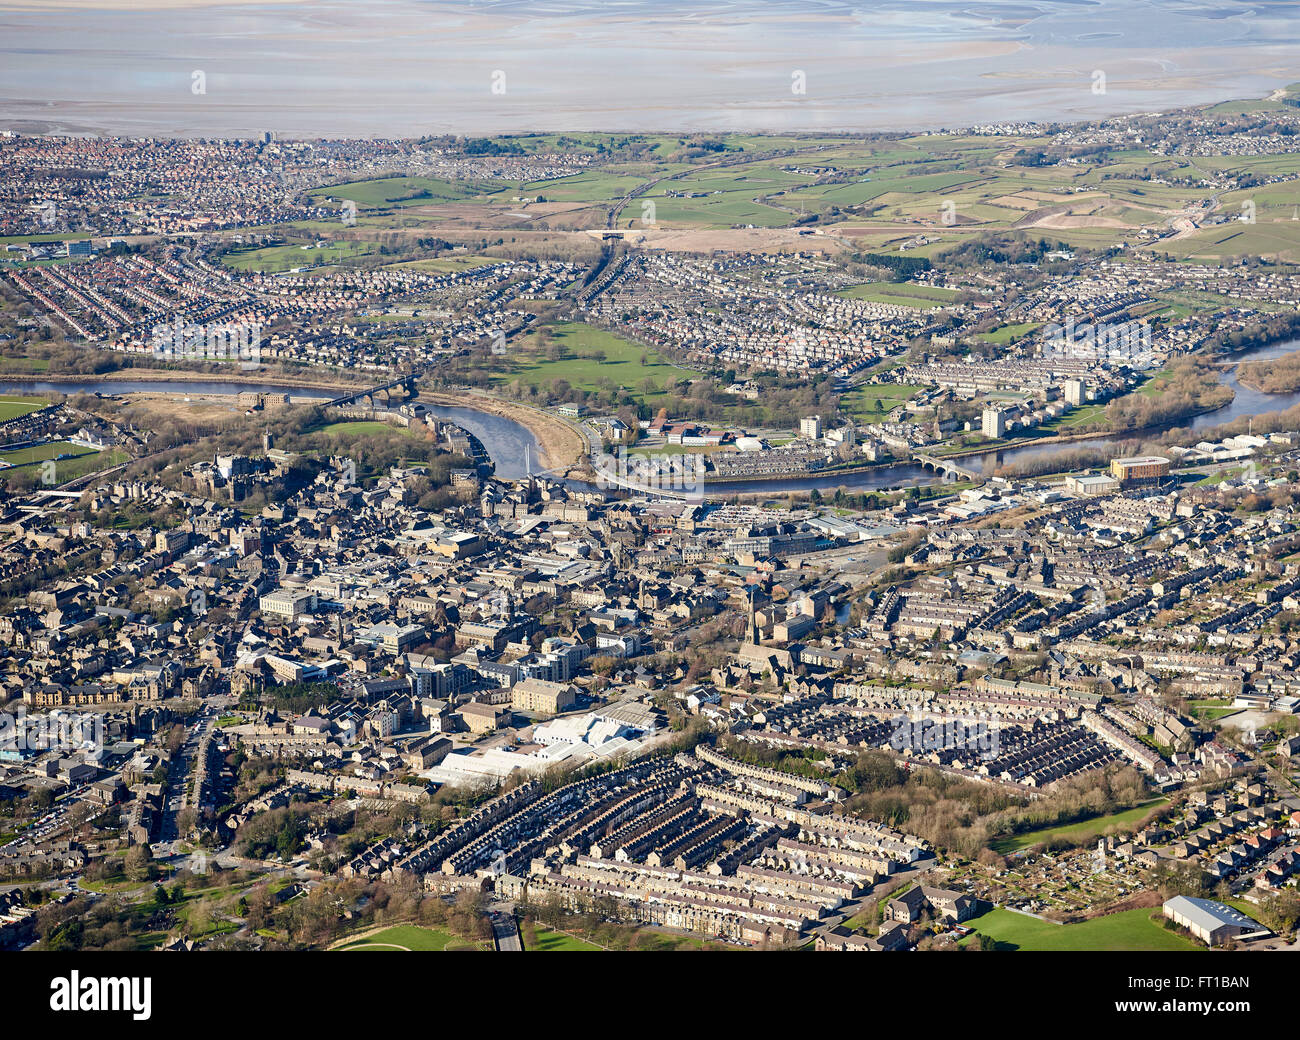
column 874, row 65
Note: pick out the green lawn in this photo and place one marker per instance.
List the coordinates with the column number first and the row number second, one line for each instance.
column 1079, row 831
column 581, row 364
column 1084, row 415
column 1009, row 333
column 384, row 192
column 926, row 297
column 860, row 402
column 410, row 937
column 83, row 460
column 548, row 941
column 362, row 428
column 1129, row 930
column 24, row 364
column 11, row 407
column 1214, row 714
column 275, row 259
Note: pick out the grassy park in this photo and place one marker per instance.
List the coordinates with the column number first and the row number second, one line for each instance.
column 585, row 356
column 1129, row 930
column 549, row 941
column 410, row 938
column 1081, row 831
column 901, row 294
column 860, row 402
column 13, row 406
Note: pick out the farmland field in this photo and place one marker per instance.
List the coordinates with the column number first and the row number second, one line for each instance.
column 389, row 192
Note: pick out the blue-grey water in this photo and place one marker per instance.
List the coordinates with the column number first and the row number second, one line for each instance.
column 1246, row 402
column 515, row 450
column 512, row 446
column 412, row 67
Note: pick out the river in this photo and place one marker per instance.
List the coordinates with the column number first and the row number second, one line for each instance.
column 513, row 447
column 515, row 451
column 1247, row 402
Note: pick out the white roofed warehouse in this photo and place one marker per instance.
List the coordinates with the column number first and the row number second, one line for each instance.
column 1213, row 923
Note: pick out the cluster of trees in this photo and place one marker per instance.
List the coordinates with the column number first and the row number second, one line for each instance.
column 1274, row 376
column 952, row 814
column 1262, row 501
column 275, row 832
column 298, row 698
column 1096, row 793
column 1272, row 329
column 487, row 146
column 900, row 265
column 331, row 910
column 1057, row 462
column 1010, row 248
column 1188, row 390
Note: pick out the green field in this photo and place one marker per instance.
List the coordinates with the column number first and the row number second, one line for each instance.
column 1212, row 710
column 85, row 460
column 390, row 192
column 592, row 186
column 447, row 264
column 1278, row 237
column 42, row 453
column 24, row 364
column 12, row 407
column 277, row 259
column 362, row 428
column 860, row 402
column 581, row 364
column 734, row 207
column 903, row 294
column 1079, row 831
column 1009, row 333
column 559, row 941
column 57, row 236
column 1129, row 930
column 1076, row 419
column 412, row 938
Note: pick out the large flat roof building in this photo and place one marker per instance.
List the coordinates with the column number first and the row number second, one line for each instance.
column 1213, row 923
column 288, row 603
column 1140, row 469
